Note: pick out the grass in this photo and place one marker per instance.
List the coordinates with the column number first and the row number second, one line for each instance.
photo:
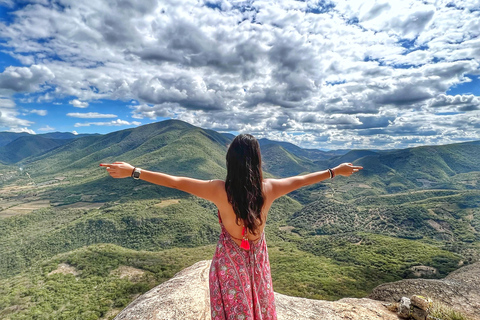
column 441, row 311
column 438, row 311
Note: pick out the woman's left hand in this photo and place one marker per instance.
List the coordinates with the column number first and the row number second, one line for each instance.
column 119, row 169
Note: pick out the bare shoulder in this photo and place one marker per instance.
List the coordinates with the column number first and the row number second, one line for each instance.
column 219, row 193
column 218, row 183
column 268, row 186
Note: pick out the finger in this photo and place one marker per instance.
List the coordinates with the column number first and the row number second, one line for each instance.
column 104, row 164
column 358, row 167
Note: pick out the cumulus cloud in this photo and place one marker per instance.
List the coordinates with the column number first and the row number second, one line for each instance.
column 9, row 117
column 460, row 102
column 19, row 130
column 91, row 115
column 117, row 122
column 78, row 104
column 23, row 79
column 39, row 112
column 313, row 73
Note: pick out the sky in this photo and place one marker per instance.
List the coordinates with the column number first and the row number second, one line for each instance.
column 337, row 74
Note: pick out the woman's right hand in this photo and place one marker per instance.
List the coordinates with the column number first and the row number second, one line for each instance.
column 118, row 169
column 346, row 169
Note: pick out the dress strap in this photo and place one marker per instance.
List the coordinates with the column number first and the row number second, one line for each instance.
column 245, row 244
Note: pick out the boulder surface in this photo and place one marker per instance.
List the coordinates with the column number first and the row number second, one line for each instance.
column 186, row 296
column 460, row 290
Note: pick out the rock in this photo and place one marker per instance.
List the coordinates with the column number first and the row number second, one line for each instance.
column 419, row 314
column 421, row 302
column 423, row 271
column 186, row 296
column 460, row 290
column 404, row 308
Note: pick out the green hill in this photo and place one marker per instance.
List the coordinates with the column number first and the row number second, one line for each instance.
column 7, row 137
column 338, row 238
column 282, row 163
column 28, row 146
column 441, row 215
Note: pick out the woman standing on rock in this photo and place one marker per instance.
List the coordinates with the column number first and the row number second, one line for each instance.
column 240, row 281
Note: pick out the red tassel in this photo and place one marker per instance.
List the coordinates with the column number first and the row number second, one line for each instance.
column 245, row 244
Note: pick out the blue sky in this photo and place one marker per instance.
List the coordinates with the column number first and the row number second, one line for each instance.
column 320, row 74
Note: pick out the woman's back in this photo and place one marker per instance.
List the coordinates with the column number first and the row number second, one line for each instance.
column 229, row 219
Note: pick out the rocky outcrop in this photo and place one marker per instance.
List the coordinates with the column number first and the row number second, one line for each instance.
column 186, row 296
column 460, row 290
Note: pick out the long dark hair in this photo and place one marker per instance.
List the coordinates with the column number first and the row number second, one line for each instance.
column 244, row 180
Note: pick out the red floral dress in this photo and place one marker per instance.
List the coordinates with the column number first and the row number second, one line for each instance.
column 240, row 281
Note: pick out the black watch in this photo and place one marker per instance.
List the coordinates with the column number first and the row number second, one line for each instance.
column 136, row 173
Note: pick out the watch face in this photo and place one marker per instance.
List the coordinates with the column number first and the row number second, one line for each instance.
column 136, row 174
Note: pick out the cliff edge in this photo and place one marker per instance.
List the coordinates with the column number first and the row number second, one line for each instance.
column 186, row 296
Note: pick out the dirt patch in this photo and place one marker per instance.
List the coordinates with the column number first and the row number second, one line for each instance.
column 87, row 197
column 83, row 205
column 286, row 228
column 166, row 203
column 131, row 273
column 24, row 208
column 363, row 185
column 435, row 225
column 65, row 268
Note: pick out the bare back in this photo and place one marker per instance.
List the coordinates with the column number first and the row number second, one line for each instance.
column 228, row 215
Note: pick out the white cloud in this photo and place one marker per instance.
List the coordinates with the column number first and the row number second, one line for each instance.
column 23, row 79
column 6, row 103
column 78, row 104
column 7, row 3
column 39, row 112
column 46, row 128
column 90, row 115
column 19, row 130
column 9, row 116
column 75, row 132
column 311, row 72
column 117, row 122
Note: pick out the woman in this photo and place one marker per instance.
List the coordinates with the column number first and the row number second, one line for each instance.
column 240, row 282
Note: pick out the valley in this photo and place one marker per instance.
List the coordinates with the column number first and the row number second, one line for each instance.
column 77, row 242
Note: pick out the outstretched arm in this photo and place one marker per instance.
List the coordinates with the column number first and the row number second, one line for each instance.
column 206, row 189
column 280, row 187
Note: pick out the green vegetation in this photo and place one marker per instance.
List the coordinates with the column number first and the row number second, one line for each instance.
column 440, row 311
column 136, row 225
column 335, row 239
column 450, row 217
column 98, row 281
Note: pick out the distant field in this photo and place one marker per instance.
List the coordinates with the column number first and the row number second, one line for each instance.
column 166, row 203
column 14, row 209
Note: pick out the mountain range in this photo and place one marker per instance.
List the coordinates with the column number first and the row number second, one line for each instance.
column 397, row 170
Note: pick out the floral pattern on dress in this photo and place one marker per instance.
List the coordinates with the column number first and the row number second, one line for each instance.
column 240, row 281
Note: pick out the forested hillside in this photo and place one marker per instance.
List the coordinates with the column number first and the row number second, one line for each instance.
column 67, row 229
